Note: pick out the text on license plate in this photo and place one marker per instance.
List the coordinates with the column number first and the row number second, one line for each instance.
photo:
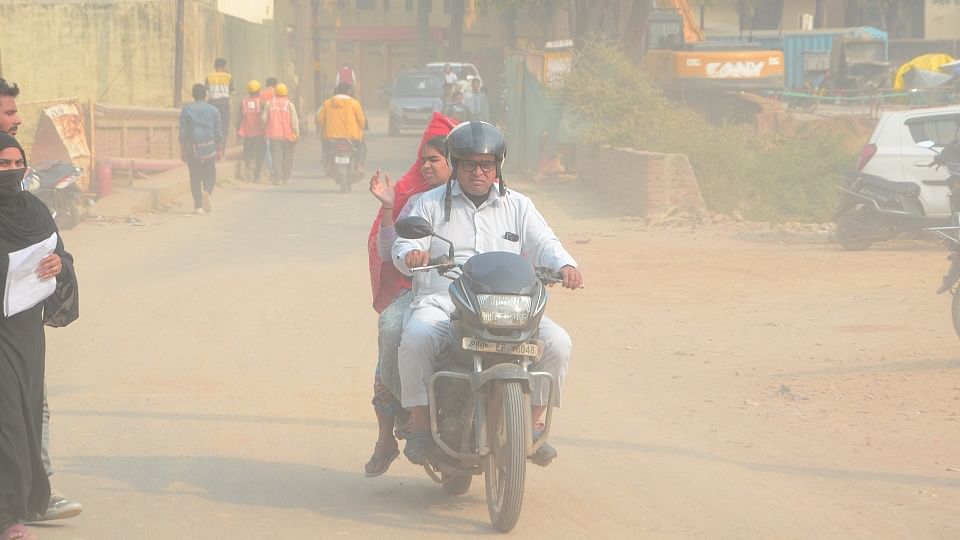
column 520, row 349
column 341, row 160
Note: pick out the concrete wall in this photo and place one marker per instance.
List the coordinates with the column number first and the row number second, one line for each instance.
column 122, row 51
column 639, row 183
column 943, row 21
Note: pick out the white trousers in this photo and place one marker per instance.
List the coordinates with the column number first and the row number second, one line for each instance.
column 426, row 338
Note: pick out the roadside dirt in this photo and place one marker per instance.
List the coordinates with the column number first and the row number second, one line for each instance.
column 769, row 386
column 726, row 384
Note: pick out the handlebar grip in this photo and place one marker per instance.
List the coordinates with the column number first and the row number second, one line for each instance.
column 548, row 276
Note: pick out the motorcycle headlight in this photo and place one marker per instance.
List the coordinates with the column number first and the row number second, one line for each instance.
column 504, row 310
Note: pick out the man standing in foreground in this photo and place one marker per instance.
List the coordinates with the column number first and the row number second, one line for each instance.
column 200, row 139
column 59, row 506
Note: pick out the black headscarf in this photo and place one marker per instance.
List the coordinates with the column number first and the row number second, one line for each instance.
column 24, row 220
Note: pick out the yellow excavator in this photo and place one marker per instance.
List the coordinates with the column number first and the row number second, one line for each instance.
column 683, row 61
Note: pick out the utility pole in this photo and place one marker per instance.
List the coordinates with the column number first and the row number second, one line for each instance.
column 178, row 57
column 303, row 52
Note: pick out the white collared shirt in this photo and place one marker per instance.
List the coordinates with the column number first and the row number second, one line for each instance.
column 502, row 223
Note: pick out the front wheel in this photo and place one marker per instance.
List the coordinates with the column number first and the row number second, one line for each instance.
column 343, row 179
column 457, row 484
column 68, row 216
column 854, row 233
column 505, row 465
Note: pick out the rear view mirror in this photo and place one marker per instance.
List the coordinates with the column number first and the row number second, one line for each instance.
column 413, row 228
column 926, row 144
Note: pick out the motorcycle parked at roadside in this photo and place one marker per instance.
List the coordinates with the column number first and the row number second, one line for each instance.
column 873, row 209
column 55, row 183
column 949, row 157
column 480, row 411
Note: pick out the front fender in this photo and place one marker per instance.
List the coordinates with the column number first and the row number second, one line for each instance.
column 500, row 372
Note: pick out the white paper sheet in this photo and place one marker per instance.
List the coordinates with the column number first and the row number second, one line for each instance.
column 24, row 288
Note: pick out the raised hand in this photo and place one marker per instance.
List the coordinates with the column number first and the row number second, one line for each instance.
column 382, row 189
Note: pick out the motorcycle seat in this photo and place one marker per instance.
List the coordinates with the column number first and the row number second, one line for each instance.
column 899, row 188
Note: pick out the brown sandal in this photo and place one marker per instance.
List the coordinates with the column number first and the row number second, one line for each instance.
column 383, row 455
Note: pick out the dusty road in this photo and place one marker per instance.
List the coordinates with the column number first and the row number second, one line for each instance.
column 218, row 382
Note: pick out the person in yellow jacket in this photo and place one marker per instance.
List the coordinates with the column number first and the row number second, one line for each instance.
column 341, row 117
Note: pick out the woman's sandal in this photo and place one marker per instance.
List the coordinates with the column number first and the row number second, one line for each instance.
column 383, row 455
column 17, row 532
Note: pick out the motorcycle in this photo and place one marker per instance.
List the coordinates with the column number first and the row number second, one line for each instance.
column 342, row 163
column 950, row 158
column 480, row 409
column 873, row 208
column 55, row 183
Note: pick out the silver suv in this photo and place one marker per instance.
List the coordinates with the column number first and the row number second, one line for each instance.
column 892, row 152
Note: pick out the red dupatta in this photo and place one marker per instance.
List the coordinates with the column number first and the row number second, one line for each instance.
column 385, row 280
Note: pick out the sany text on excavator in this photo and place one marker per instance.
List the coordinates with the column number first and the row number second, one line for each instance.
column 682, row 60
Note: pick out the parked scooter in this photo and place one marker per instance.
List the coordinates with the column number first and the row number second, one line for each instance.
column 949, row 157
column 873, row 209
column 55, row 183
column 343, row 164
column 479, row 397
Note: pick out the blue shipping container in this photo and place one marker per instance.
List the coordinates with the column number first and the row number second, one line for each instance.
column 796, row 42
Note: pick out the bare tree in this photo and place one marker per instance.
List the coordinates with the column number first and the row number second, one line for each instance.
column 455, row 35
column 423, row 30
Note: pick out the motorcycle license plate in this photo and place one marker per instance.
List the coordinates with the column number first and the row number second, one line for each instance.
column 341, row 160
column 519, row 349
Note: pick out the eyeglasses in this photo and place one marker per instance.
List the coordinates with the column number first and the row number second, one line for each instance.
column 470, row 165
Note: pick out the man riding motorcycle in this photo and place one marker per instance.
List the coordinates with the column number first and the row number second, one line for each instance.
column 341, row 117
column 478, row 214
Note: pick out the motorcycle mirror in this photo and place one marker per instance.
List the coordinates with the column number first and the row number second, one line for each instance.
column 926, row 144
column 413, row 228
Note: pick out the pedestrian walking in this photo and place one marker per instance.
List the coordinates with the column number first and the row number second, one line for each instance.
column 201, row 137
column 220, row 86
column 26, row 222
column 282, row 130
column 251, row 133
column 477, row 101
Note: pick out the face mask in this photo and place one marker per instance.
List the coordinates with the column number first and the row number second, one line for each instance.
column 11, row 180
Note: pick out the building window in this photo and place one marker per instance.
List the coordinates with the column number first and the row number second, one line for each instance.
column 341, row 4
column 446, row 6
column 386, row 5
column 409, row 5
column 366, row 4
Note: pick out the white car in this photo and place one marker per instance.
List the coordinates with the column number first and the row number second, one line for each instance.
column 465, row 72
column 892, row 152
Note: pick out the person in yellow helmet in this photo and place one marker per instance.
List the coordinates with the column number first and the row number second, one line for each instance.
column 341, row 117
column 251, row 133
column 282, row 129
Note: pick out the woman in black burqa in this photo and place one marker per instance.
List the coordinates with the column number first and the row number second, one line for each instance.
column 24, row 221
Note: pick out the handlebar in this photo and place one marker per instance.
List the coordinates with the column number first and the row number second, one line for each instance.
column 437, row 263
column 548, row 276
